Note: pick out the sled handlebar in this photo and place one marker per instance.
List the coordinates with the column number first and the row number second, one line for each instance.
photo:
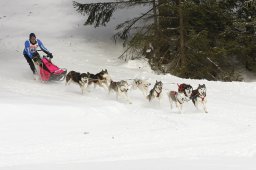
column 43, row 55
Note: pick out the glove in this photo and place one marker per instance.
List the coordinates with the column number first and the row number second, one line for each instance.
column 50, row 55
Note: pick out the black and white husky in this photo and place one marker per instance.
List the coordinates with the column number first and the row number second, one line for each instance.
column 142, row 85
column 178, row 98
column 120, row 88
column 186, row 89
column 199, row 96
column 181, row 96
column 82, row 79
column 101, row 79
column 156, row 92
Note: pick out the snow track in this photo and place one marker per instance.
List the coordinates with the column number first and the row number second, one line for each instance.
column 53, row 126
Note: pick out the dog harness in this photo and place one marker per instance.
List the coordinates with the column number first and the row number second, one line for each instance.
column 202, row 97
column 198, row 95
column 158, row 93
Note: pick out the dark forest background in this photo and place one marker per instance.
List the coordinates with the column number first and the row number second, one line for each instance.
column 201, row 39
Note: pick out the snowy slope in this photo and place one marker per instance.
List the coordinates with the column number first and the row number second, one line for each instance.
column 52, row 126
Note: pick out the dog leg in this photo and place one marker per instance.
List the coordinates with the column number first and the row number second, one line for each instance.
column 144, row 93
column 159, row 100
column 176, row 103
column 160, row 97
column 204, row 106
column 82, row 89
column 105, row 86
column 85, row 89
column 117, row 95
column 68, row 82
column 128, row 99
column 149, row 98
column 195, row 103
column 171, row 101
column 205, row 110
column 101, row 85
column 180, row 107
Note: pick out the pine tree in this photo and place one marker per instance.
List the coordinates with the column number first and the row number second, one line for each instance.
column 192, row 39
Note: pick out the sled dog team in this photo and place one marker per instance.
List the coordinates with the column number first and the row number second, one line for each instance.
column 185, row 92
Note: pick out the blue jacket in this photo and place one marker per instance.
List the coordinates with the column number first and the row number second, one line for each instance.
column 30, row 49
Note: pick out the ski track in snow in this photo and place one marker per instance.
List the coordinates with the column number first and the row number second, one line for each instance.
column 52, row 126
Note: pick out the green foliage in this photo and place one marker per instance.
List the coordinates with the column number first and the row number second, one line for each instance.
column 218, row 37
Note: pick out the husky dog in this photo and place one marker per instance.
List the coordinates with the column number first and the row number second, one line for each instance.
column 199, row 96
column 81, row 79
column 178, row 98
column 120, row 88
column 142, row 85
column 156, row 91
column 101, row 79
column 186, row 89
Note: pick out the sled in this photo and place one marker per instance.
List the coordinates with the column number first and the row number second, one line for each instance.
column 50, row 72
column 47, row 71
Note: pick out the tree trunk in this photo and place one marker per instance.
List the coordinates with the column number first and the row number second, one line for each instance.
column 155, row 17
column 181, row 31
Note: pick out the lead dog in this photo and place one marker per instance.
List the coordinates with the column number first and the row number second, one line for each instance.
column 101, row 79
column 156, row 92
column 142, row 85
column 81, row 79
column 120, row 88
column 199, row 96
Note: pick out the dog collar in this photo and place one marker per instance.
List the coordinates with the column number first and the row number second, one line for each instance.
column 202, row 97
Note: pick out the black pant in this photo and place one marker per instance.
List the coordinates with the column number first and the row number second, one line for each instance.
column 30, row 62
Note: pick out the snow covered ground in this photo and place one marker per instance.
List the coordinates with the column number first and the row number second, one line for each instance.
column 53, row 127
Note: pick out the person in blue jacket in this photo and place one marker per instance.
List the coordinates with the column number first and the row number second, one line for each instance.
column 30, row 51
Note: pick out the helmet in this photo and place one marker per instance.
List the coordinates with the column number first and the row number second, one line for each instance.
column 32, row 35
